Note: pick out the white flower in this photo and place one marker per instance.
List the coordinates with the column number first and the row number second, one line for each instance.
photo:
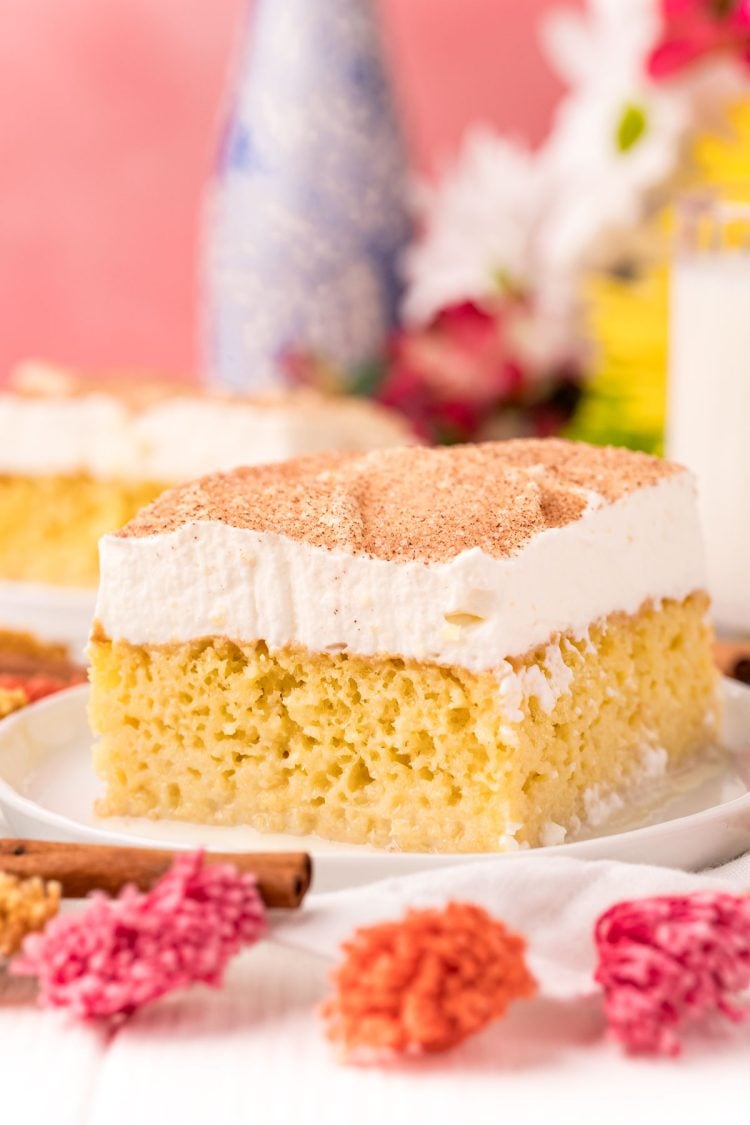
column 609, row 151
column 481, row 229
column 607, row 43
column 617, row 136
column 547, row 336
column 479, row 224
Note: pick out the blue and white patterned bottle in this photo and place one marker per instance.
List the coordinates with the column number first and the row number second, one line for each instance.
column 309, row 212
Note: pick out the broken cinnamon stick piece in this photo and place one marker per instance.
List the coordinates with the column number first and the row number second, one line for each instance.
column 283, row 877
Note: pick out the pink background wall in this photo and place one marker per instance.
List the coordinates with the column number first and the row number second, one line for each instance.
column 108, row 120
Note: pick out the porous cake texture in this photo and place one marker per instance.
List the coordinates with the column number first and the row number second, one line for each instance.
column 79, row 457
column 50, row 525
column 470, row 649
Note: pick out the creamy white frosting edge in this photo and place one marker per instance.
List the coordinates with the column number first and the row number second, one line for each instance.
column 178, row 438
column 207, row 578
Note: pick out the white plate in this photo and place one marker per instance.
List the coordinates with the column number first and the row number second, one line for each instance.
column 51, row 613
column 47, row 791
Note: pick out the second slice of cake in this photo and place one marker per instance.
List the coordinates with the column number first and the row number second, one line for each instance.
column 79, row 457
column 462, row 649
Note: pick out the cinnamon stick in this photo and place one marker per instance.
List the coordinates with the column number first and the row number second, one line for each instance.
column 283, row 877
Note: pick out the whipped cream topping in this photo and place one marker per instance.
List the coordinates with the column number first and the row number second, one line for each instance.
column 206, row 578
column 180, row 437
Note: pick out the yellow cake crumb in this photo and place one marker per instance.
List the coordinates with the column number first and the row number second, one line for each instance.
column 50, row 526
column 397, row 753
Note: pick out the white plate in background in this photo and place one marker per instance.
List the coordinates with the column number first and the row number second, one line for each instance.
column 51, row 613
column 48, row 788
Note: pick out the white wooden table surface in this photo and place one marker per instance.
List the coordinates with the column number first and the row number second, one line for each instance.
column 253, row 1053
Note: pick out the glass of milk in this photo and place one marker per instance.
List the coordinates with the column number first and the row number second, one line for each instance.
column 708, row 416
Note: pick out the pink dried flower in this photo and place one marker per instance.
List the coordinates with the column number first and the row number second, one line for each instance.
column 667, row 960
column 122, row 953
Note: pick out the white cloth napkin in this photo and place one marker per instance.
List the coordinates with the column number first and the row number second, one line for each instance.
column 554, row 904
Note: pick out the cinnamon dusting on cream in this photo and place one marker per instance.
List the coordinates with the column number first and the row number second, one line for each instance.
column 413, row 503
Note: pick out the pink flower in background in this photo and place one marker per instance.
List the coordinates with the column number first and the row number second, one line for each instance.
column 446, row 375
column 472, row 373
column 696, row 29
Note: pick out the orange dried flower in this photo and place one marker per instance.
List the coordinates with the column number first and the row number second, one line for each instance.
column 427, row 982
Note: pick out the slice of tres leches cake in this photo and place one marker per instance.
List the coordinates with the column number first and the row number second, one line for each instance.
column 464, row 649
